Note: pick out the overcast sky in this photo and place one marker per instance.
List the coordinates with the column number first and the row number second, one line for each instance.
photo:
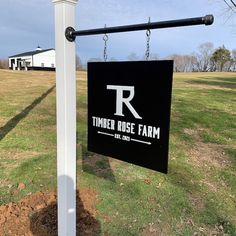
column 25, row 24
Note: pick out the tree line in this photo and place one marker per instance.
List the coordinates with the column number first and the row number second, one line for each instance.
column 3, row 64
column 206, row 59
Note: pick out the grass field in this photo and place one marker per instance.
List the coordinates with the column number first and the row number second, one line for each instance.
column 197, row 197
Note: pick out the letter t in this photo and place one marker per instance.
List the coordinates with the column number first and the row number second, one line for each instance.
column 120, row 99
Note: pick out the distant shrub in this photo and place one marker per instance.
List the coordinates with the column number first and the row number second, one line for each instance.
column 3, row 64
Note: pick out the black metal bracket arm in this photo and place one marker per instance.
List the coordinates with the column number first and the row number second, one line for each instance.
column 71, row 34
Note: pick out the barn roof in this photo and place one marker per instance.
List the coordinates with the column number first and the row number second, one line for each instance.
column 31, row 53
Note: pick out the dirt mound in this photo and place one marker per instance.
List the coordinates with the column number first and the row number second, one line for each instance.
column 37, row 215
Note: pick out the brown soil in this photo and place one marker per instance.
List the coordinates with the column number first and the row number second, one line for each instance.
column 37, row 215
column 156, row 229
column 207, row 154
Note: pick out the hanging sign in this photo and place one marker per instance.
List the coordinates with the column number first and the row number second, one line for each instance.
column 129, row 111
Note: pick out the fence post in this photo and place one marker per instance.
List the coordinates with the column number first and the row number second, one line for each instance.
column 66, row 117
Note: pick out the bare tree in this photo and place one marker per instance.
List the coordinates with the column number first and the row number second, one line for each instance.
column 133, row 57
column 95, row 59
column 203, row 56
column 3, row 64
column 79, row 65
column 112, row 59
column 231, row 5
column 183, row 63
column 193, row 62
column 229, row 13
column 233, row 57
column 152, row 56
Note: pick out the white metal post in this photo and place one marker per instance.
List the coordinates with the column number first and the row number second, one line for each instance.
column 66, row 118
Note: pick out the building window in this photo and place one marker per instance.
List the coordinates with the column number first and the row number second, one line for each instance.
column 12, row 63
column 42, row 64
column 52, row 65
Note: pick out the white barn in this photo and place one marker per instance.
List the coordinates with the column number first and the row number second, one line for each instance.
column 38, row 59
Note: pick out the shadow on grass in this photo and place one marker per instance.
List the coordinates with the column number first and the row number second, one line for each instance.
column 221, row 83
column 12, row 123
column 229, row 80
column 183, row 177
column 97, row 165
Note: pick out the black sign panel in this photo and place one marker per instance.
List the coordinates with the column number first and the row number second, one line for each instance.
column 129, row 111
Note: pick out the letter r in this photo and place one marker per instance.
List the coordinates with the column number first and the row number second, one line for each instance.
column 120, row 99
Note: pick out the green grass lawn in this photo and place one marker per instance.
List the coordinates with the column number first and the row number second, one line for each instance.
column 197, row 197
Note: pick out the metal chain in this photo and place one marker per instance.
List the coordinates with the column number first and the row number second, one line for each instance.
column 148, row 34
column 105, row 39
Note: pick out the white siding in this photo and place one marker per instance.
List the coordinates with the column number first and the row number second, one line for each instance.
column 45, row 59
